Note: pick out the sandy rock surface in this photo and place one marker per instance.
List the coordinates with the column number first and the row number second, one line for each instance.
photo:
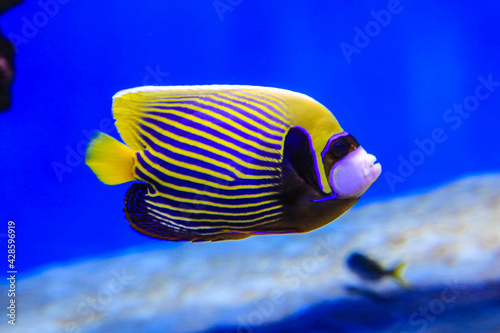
column 448, row 236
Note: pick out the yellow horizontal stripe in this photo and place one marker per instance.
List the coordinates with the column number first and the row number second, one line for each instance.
column 205, row 158
column 279, row 102
column 245, row 93
column 200, row 211
column 170, row 219
column 264, row 115
column 223, row 119
column 221, row 229
column 210, row 172
column 240, row 115
column 188, row 166
column 197, row 131
column 209, row 148
column 194, row 179
column 214, row 204
column 206, row 193
column 270, row 100
column 169, row 173
column 169, row 101
column 165, row 221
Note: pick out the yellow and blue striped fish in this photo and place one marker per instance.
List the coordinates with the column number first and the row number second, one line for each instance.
column 223, row 162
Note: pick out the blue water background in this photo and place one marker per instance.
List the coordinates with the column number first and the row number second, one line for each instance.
column 395, row 89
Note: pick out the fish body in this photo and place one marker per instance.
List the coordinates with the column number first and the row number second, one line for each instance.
column 226, row 162
column 370, row 270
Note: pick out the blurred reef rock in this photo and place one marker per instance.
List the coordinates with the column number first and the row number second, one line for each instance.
column 449, row 237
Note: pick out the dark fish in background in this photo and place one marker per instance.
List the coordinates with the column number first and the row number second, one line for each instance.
column 228, row 162
column 370, row 270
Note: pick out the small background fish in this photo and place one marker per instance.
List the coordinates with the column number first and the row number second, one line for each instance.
column 370, row 270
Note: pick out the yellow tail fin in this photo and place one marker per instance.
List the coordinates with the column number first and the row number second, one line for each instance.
column 397, row 274
column 111, row 160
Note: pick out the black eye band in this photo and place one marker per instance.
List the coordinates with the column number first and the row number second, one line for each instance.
column 343, row 146
column 339, row 149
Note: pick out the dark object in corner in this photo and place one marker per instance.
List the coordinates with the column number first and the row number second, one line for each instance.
column 6, row 4
column 6, row 72
column 6, row 61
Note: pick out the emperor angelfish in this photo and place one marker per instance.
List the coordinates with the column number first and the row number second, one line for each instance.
column 222, row 162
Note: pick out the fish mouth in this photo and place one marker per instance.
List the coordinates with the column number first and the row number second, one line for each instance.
column 352, row 175
column 372, row 170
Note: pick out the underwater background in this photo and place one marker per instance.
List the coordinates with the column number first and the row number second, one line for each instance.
column 416, row 82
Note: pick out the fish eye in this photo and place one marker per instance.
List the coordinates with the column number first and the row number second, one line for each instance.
column 339, row 148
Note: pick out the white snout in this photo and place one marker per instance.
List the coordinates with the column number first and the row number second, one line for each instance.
column 351, row 176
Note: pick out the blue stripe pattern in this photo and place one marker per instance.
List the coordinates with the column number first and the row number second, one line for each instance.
column 212, row 164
